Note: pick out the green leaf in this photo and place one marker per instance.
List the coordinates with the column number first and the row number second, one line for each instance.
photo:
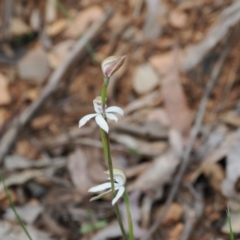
column 134, row 151
column 230, row 224
column 86, row 228
column 20, row 221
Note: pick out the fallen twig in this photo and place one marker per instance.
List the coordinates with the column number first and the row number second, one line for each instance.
column 195, row 54
column 194, row 132
column 193, row 214
column 78, row 50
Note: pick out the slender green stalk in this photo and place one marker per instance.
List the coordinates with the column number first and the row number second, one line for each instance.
column 104, row 95
column 13, row 207
column 106, row 148
column 230, row 224
column 130, row 224
column 63, row 9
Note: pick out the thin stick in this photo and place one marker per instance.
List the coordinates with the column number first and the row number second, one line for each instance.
column 194, row 132
column 53, row 83
column 193, row 214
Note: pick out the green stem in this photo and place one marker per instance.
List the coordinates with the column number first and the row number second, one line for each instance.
column 106, row 148
column 130, row 224
column 13, row 207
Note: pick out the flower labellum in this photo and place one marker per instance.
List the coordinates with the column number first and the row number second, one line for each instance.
column 119, row 185
column 111, row 64
column 101, row 122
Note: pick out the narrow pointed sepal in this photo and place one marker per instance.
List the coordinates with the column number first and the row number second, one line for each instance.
column 119, row 194
column 101, row 122
column 85, row 119
column 111, row 116
column 115, row 109
column 100, row 187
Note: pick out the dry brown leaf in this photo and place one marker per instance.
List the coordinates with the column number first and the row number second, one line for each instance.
column 176, row 232
column 78, row 167
column 231, row 118
column 151, row 99
column 28, row 213
column 35, row 20
column 5, row 97
column 214, row 156
column 82, row 21
column 162, row 62
column 24, row 176
column 26, row 149
column 142, row 147
column 232, row 171
column 176, row 142
column 17, row 162
column 59, row 52
column 4, row 200
column 215, row 174
column 174, row 214
column 173, row 95
column 56, row 28
column 52, row 226
column 17, row 233
column 146, row 211
column 157, row 174
column 5, row 227
column 152, row 25
column 4, row 116
column 136, row 170
column 18, row 27
column 41, row 122
column 50, row 11
column 158, row 115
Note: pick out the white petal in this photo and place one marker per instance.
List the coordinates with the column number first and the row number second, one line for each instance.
column 100, row 187
column 119, row 194
column 101, row 122
column 86, row 119
column 115, row 109
column 111, row 116
column 100, row 195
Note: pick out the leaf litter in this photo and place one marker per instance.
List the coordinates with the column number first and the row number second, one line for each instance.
column 176, row 52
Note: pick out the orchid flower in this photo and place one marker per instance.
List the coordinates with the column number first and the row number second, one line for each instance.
column 98, row 107
column 119, row 182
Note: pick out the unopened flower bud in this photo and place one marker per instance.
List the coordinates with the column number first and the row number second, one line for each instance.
column 111, row 64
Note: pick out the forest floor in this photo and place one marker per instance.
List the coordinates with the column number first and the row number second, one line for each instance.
column 178, row 142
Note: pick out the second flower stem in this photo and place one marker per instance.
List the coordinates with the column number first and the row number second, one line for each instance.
column 130, row 223
column 106, row 148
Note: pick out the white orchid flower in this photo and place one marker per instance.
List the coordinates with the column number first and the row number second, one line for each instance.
column 98, row 107
column 119, row 184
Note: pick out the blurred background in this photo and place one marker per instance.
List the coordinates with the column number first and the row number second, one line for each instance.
column 179, row 88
